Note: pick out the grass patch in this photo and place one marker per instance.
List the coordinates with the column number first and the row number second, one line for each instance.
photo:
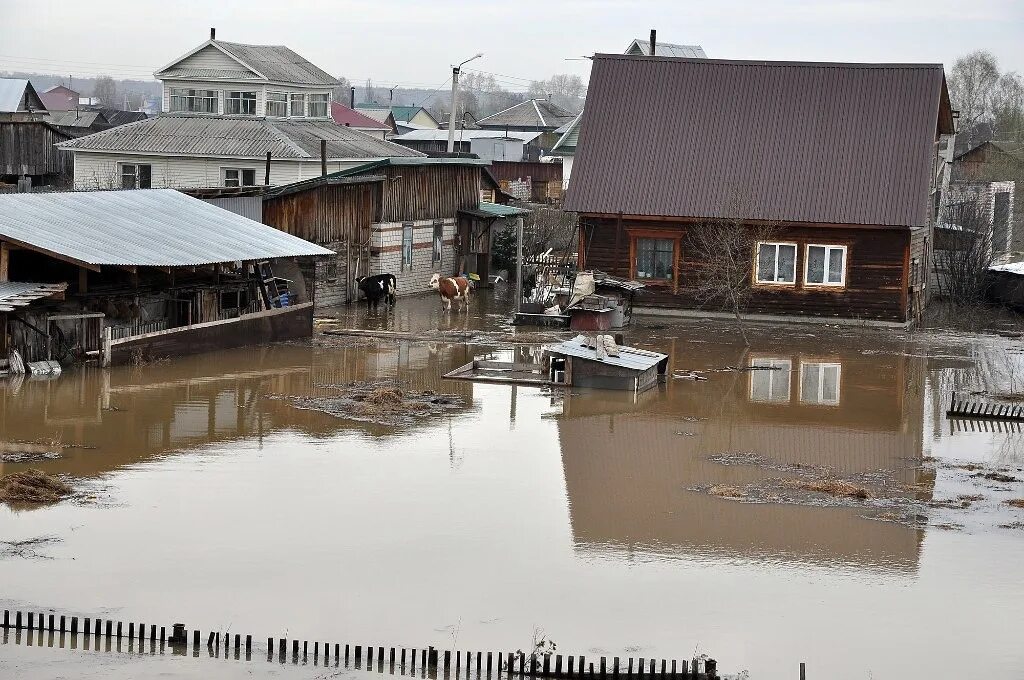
column 1016, row 502
column 32, row 486
column 726, row 491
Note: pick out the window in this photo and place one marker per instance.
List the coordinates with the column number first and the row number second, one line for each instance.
column 819, row 383
column 318, row 104
column 331, row 271
column 136, row 176
column 438, row 240
column 194, row 101
column 298, row 105
column 769, row 379
column 776, row 263
column 406, row 246
column 239, row 177
column 241, row 103
column 655, row 258
column 277, row 104
column 825, row 266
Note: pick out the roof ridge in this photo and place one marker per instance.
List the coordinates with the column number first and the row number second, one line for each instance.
column 768, row 62
column 539, row 114
column 285, row 139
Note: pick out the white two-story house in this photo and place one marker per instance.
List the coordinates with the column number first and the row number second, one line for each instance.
column 230, row 111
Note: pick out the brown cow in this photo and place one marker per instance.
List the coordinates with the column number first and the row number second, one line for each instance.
column 451, row 288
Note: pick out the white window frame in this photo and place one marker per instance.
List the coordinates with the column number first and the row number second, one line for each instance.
column 192, row 94
column 326, row 104
column 757, row 263
column 825, row 270
column 270, row 99
column 292, row 96
column 121, row 167
column 406, row 260
column 782, row 369
column 240, row 179
column 819, row 398
column 241, row 99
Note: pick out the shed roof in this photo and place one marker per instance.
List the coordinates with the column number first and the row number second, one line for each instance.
column 539, row 113
column 238, row 137
column 629, row 357
column 486, row 209
column 143, row 227
column 786, row 141
column 662, row 49
column 274, row 63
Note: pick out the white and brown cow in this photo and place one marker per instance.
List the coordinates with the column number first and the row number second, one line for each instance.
column 451, row 289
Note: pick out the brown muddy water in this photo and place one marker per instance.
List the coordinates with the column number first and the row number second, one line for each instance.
column 663, row 526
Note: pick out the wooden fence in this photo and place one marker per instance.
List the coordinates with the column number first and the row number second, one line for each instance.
column 414, row 662
column 970, row 408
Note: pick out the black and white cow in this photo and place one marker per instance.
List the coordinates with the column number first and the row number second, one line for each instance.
column 377, row 288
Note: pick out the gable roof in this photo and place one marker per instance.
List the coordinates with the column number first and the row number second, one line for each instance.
column 570, row 133
column 142, row 227
column 59, row 98
column 17, row 94
column 643, row 47
column 343, row 115
column 269, row 63
column 794, row 141
column 221, row 136
column 537, row 113
column 401, row 114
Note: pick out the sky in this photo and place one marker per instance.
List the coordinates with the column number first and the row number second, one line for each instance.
column 413, row 44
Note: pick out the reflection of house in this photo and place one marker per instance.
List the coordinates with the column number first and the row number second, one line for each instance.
column 628, row 467
column 854, row 204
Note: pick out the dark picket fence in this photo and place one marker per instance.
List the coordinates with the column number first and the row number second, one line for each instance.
column 415, row 662
column 977, row 408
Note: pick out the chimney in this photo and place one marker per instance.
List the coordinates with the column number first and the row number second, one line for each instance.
column 213, row 33
column 654, row 41
column 352, row 99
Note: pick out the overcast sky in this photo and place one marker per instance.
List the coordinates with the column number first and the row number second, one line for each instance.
column 413, row 43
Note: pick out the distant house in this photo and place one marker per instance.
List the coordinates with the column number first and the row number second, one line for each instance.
column 410, row 117
column 60, row 98
column 236, row 112
column 565, row 147
column 489, row 145
column 343, row 115
column 19, row 100
column 642, row 48
column 86, row 121
column 532, row 115
column 27, row 151
column 969, row 163
column 854, row 205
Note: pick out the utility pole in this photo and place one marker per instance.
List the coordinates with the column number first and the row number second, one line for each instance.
column 455, row 97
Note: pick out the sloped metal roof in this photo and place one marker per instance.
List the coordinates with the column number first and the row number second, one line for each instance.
column 629, row 357
column 438, row 135
column 782, row 141
column 570, row 133
column 208, row 74
column 238, row 137
column 275, row 63
column 11, row 92
column 667, row 49
column 15, row 294
column 343, row 115
column 144, row 227
column 539, row 113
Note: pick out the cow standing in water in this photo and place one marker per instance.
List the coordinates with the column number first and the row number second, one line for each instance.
column 451, row 288
column 377, row 288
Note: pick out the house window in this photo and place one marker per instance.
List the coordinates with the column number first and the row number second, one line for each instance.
column 655, row 258
column 318, row 105
column 298, row 105
column 406, row 246
column 825, row 265
column 438, row 240
column 136, row 176
column 331, row 271
column 277, row 104
column 194, row 101
column 240, row 103
column 776, row 263
column 819, row 383
column 769, row 379
column 239, row 177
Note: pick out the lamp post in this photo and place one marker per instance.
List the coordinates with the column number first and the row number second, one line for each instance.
column 455, row 96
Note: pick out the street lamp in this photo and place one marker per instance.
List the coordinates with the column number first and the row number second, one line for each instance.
column 455, row 96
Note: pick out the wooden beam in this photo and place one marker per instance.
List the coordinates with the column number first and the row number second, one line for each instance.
column 83, row 280
column 5, row 260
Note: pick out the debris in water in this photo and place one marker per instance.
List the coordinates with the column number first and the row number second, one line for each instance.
column 833, row 487
column 27, row 548
column 726, row 491
column 1016, row 503
column 379, row 403
column 32, row 486
column 996, row 477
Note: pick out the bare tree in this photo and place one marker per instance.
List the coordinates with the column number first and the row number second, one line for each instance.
column 972, row 82
column 105, row 89
column 549, row 229
column 963, row 254
column 1008, row 107
column 564, row 89
column 342, row 92
column 726, row 250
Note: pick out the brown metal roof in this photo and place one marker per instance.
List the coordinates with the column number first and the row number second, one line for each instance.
column 793, row 141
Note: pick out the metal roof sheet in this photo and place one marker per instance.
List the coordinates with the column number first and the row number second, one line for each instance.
column 143, row 227
column 239, row 137
column 570, row 132
column 786, row 141
column 540, row 113
column 629, row 357
column 343, row 115
column 275, row 63
column 439, row 135
column 15, row 294
column 499, row 210
column 208, row 74
column 11, row 92
column 668, row 49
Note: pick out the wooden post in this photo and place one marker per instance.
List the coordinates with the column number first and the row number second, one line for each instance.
column 489, row 662
column 119, row 636
column 711, row 669
column 248, row 644
column 323, row 157
column 51, row 622
column 447, row 662
column 674, row 669
column 519, row 264
column 5, row 261
column 305, row 650
column 640, row 667
column 209, row 641
column 479, row 662
column 283, row 649
column 163, row 634
column 604, row 673
column 803, row 671
column 558, row 665
column 664, row 667
column 547, row 665
column 266, row 179
column 380, row 658
column 295, row 650
column 583, row 667
column 615, row 667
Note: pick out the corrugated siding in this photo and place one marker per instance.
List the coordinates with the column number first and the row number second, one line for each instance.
column 826, row 143
column 246, row 206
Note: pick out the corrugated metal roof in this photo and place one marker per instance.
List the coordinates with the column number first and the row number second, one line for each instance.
column 144, row 227
column 667, row 49
column 75, row 118
column 11, row 92
column 343, row 115
column 439, row 135
column 499, row 210
column 239, row 137
column 789, row 141
column 570, row 132
column 378, row 114
column 208, row 74
column 629, row 357
column 540, row 113
column 15, row 294
column 274, row 62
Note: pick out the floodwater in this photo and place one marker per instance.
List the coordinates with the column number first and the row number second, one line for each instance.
column 205, row 496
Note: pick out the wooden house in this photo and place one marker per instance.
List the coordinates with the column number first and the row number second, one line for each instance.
column 842, row 161
column 19, row 100
column 27, row 150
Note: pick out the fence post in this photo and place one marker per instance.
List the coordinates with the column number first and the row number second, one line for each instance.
column 803, row 671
